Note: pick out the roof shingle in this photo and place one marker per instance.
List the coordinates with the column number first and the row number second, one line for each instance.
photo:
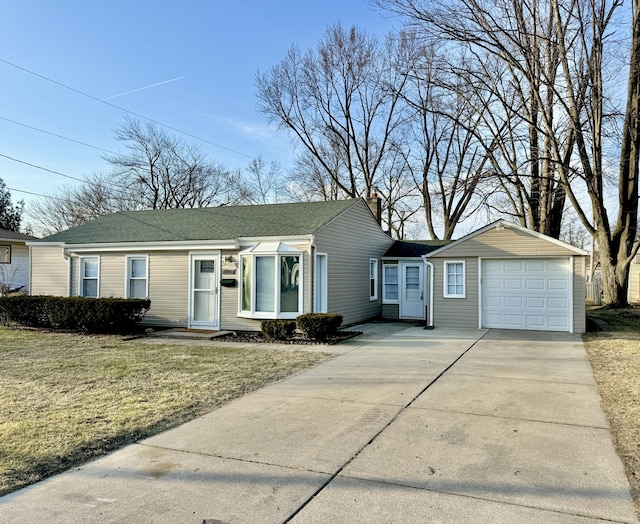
column 212, row 223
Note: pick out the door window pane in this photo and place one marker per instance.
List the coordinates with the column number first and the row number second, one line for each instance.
column 412, row 283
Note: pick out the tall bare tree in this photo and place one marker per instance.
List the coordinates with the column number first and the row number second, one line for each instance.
column 570, row 101
column 337, row 102
column 157, row 171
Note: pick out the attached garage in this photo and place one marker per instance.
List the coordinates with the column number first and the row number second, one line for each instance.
column 526, row 294
column 508, row 277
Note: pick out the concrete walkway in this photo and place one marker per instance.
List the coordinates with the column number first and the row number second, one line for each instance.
column 406, row 425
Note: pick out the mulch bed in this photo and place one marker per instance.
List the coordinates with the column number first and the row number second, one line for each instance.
column 257, row 337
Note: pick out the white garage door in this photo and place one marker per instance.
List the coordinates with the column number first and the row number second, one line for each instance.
column 526, row 294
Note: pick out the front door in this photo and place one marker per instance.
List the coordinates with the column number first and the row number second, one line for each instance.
column 412, row 300
column 204, row 292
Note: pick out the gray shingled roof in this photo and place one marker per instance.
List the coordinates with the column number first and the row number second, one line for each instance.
column 212, row 223
column 6, row 234
column 414, row 248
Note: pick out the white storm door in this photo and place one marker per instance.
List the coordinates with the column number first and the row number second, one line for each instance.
column 412, row 300
column 204, row 291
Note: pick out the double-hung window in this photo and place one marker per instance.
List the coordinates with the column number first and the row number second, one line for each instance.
column 89, row 277
column 5, row 254
column 390, row 284
column 137, row 277
column 271, row 285
column 454, row 279
column 373, row 279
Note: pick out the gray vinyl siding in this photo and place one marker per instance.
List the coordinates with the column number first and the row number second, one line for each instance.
column 168, row 283
column 49, row 271
column 349, row 241
column 459, row 313
column 168, row 288
column 391, row 311
column 579, row 295
column 504, row 244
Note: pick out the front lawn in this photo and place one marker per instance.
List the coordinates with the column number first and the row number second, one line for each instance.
column 615, row 359
column 67, row 398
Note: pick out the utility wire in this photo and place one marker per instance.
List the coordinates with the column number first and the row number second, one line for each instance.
column 32, row 193
column 56, row 135
column 42, row 168
column 123, row 109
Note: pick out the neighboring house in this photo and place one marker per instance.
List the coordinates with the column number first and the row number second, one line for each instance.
column 500, row 276
column 633, row 289
column 14, row 261
column 225, row 267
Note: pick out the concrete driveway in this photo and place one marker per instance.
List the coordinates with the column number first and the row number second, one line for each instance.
column 406, row 425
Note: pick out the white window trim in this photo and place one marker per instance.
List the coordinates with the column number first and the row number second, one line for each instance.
column 278, row 250
column 375, row 279
column 321, row 292
column 386, row 300
column 127, row 278
column 8, row 247
column 445, row 286
column 81, row 260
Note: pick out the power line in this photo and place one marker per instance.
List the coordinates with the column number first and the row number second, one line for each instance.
column 56, row 135
column 119, row 108
column 32, row 193
column 42, row 168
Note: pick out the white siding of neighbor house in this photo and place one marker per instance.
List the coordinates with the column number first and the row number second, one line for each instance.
column 18, row 270
column 506, row 243
column 349, row 241
column 49, row 271
column 634, row 283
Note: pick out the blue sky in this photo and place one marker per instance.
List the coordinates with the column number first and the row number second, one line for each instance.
column 202, row 54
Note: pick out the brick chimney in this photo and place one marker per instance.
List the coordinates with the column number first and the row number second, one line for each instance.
column 375, row 204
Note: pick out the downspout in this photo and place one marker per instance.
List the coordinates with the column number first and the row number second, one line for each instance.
column 431, row 280
column 67, row 259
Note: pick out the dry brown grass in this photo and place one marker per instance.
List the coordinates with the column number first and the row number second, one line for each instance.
column 615, row 359
column 69, row 398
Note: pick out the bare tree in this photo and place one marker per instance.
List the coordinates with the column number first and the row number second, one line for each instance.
column 337, row 102
column 569, row 89
column 260, row 183
column 160, row 171
column 74, row 205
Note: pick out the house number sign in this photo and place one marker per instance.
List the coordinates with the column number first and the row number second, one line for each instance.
column 229, row 266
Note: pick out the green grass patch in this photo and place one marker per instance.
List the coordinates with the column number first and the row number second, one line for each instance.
column 69, row 398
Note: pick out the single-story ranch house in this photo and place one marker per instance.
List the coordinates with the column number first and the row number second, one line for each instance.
column 14, row 260
column 230, row 267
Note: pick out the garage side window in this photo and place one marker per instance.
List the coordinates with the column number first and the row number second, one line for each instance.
column 454, row 279
column 89, row 271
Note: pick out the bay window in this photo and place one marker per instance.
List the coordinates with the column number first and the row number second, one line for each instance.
column 271, row 285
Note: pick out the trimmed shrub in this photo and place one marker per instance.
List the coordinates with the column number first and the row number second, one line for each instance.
column 86, row 315
column 319, row 326
column 278, row 329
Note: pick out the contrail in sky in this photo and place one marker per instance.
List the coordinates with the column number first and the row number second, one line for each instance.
column 142, row 88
